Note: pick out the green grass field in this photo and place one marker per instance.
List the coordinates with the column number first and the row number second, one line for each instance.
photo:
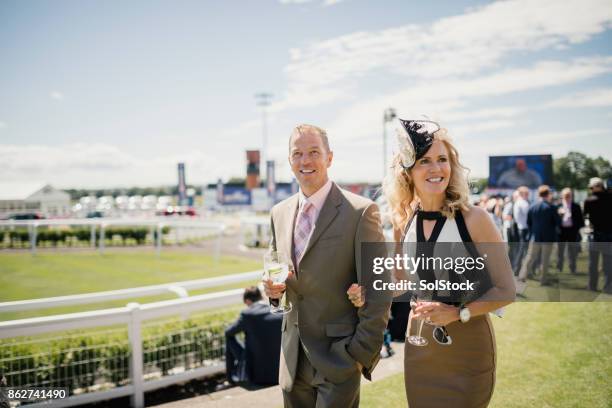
column 23, row 276
column 548, row 355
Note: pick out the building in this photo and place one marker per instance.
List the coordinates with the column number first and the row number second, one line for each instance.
column 20, row 198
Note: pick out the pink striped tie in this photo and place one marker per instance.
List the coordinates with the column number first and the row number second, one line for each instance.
column 303, row 226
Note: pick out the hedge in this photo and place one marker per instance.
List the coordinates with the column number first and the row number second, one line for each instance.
column 20, row 238
column 83, row 360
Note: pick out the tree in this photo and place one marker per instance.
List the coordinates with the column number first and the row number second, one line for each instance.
column 575, row 170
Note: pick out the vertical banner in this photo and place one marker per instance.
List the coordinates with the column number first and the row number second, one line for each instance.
column 220, row 198
column 271, row 180
column 182, row 188
column 252, row 179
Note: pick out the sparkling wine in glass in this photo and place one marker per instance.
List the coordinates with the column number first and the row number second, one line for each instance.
column 276, row 269
column 416, row 339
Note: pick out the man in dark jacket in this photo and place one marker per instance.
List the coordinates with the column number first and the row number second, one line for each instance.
column 543, row 222
column 569, row 237
column 257, row 360
column 597, row 209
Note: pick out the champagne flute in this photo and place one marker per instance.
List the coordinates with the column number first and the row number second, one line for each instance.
column 276, row 269
column 416, row 340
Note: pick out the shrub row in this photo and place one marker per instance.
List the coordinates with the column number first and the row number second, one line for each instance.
column 19, row 238
column 81, row 361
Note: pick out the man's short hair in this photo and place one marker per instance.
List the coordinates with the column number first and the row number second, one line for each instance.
column 252, row 293
column 543, row 191
column 306, row 128
column 566, row 191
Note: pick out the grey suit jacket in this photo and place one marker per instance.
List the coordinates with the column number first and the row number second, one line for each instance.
column 334, row 333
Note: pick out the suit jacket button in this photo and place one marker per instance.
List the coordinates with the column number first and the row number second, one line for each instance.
column 300, row 297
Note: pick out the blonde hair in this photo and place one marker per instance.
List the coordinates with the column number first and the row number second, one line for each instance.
column 306, row 128
column 398, row 187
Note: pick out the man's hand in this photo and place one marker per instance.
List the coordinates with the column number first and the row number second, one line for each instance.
column 356, row 295
column 275, row 290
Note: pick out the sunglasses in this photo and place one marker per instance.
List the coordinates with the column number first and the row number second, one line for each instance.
column 440, row 335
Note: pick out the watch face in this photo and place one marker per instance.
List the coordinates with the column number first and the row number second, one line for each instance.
column 464, row 315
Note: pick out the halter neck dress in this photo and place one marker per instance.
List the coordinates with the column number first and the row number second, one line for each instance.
column 461, row 374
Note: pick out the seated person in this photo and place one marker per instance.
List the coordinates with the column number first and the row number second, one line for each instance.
column 257, row 360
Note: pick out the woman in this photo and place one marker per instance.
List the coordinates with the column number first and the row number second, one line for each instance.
column 428, row 194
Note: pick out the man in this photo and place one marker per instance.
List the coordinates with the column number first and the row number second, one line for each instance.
column 327, row 342
column 543, row 222
column 510, row 231
column 519, row 175
column 257, row 360
column 597, row 209
column 519, row 213
column 571, row 222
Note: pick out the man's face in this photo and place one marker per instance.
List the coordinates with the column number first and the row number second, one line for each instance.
column 309, row 161
column 521, row 166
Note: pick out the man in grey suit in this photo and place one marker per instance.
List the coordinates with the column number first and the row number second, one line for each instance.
column 326, row 342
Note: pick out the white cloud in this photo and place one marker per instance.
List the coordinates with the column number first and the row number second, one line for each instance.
column 2, row 125
column 101, row 165
column 443, row 98
column 457, row 46
column 57, row 95
column 599, row 97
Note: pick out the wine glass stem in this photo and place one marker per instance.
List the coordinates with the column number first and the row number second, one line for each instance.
column 421, row 326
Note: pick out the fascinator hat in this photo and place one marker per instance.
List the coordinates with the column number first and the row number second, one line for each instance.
column 415, row 137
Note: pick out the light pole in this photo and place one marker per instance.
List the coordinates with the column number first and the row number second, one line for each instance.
column 263, row 100
column 388, row 116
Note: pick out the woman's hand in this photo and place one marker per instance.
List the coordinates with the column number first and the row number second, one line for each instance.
column 436, row 313
column 356, row 295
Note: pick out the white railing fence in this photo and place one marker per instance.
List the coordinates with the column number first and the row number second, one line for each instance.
column 180, row 289
column 99, row 226
column 134, row 352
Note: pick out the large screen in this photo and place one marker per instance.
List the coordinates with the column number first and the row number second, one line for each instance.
column 515, row 171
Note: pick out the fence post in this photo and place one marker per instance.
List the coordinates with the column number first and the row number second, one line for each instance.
column 159, row 238
column 102, row 238
column 218, row 244
column 136, row 364
column 92, row 237
column 33, row 230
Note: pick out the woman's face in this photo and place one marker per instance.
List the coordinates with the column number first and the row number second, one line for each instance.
column 432, row 172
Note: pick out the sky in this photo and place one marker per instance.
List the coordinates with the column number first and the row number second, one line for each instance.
column 100, row 94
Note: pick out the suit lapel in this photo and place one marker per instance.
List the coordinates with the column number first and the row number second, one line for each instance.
column 292, row 206
column 326, row 216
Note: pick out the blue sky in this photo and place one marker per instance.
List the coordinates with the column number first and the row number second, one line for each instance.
column 110, row 93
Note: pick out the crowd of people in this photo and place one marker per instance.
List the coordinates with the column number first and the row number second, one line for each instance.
column 534, row 229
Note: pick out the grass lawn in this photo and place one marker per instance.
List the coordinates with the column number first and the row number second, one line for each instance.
column 23, row 276
column 548, row 355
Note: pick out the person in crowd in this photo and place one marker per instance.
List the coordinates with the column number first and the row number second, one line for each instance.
column 519, row 213
column 597, row 209
column 429, row 196
column 510, row 231
column 257, row 359
column 543, row 222
column 569, row 237
column 327, row 344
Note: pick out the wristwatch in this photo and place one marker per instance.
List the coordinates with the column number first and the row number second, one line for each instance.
column 464, row 314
